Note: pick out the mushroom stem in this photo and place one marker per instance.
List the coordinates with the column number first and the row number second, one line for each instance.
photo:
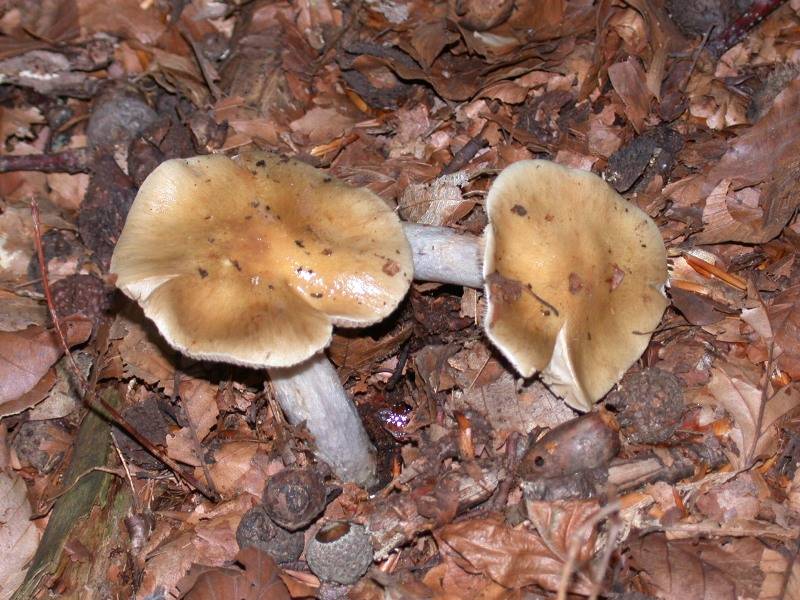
column 311, row 393
column 445, row 256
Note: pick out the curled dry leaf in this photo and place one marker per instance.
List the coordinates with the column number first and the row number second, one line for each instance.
column 514, row 558
column 19, row 537
column 628, row 79
column 143, row 357
column 737, row 388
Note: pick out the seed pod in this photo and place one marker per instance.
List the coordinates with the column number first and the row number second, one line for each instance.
column 649, row 406
column 256, row 529
column 294, row 498
column 340, row 552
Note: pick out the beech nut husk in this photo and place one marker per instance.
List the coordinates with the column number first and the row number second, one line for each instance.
column 293, row 498
column 341, row 552
column 256, row 529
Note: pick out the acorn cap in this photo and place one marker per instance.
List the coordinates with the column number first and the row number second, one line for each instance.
column 574, row 278
column 252, row 260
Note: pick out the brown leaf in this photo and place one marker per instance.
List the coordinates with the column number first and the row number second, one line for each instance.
column 18, row 121
column 628, row 79
column 19, row 536
column 562, row 523
column 18, row 312
column 238, row 467
column 730, row 215
column 199, row 397
column 439, row 202
column 737, row 388
column 760, row 153
column 784, row 316
column 699, row 571
column 260, row 579
column 126, row 18
column 429, row 39
column 144, row 354
column 514, row 558
column 25, row 356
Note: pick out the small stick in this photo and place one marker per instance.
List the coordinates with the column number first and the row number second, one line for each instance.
column 467, row 152
column 402, row 358
column 37, row 230
column 76, row 160
column 355, row 8
column 137, row 505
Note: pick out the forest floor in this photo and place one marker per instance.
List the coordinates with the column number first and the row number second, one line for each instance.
column 681, row 483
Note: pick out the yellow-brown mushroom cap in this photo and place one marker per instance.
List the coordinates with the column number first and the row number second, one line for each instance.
column 251, row 260
column 574, row 278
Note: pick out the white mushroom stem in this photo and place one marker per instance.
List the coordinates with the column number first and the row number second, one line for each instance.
column 311, row 393
column 445, row 256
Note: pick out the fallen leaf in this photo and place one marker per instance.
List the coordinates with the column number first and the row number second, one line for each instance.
column 199, row 398
column 690, row 570
column 562, row 523
column 25, row 356
column 259, row 580
column 18, row 121
column 19, row 536
column 628, row 79
column 784, row 316
column 736, row 387
column 513, row 557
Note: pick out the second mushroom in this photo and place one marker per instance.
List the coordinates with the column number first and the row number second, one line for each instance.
column 574, row 276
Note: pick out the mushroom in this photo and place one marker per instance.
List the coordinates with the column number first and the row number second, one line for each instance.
column 251, row 261
column 574, row 276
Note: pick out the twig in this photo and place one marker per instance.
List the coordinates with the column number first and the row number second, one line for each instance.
column 602, row 565
column 574, row 545
column 76, row 160
column 695, row 58
column 137, row 506
column 402, row 358
column 37, row 239
column 206, row 69
column 466, row 153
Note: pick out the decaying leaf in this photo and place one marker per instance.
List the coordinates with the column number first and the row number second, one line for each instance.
column 737, row 388
column 260, row 579
column 513, row 557
column 19, row 536
column 704, row 571
column 25, row 356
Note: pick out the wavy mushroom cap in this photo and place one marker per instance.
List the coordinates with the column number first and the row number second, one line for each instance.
column 574, row 277
column 251, row 260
